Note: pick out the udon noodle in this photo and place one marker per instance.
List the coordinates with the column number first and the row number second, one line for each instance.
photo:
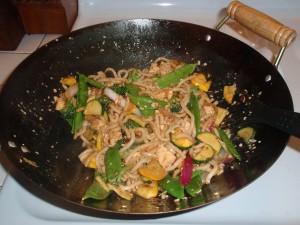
column 152, row 138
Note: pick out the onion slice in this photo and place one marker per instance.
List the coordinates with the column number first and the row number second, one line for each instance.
column 118, row 99
column 71, row 91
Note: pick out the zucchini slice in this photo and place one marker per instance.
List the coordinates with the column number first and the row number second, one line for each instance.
column 137, row 119
column 246, row 133
column 182, row 143
column 205, row 155
column 93, row 107
column 210, row 139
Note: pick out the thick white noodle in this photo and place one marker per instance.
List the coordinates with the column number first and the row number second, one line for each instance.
column 128, row 145
column 154, row 139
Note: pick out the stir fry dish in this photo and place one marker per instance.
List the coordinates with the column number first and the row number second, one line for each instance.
column 153, row 132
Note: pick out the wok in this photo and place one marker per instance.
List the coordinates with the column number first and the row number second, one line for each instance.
column 38, row 142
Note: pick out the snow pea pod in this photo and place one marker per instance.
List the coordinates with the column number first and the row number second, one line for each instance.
column 81, row 98
column 195, row 185
column 132, row 89
column 172, row 186
column 133, row 76
column 96, row 190
column 229, row 144
column 113, row 162
column 174, row 77
column 146, row 104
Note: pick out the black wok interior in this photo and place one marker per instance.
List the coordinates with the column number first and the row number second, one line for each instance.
column 29, row 121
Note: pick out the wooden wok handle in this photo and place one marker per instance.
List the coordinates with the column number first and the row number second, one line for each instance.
column 261, row 24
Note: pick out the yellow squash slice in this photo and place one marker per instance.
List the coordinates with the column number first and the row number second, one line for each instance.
column 228, row 93
column 221, row 114
column 153, row 170
column 148, row 191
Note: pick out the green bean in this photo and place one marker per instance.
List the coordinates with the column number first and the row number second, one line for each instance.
column 229, row 144
column 195, row 110
column 82, row 95
column 91, row 81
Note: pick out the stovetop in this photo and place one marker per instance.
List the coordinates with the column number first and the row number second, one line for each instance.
column 271, row 199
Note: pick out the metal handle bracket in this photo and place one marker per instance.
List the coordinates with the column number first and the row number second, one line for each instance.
column 262, row 25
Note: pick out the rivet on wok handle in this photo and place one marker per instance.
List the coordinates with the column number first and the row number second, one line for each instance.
column 261, row 24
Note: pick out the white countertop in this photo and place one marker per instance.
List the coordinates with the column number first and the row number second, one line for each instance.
column 274, row 198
